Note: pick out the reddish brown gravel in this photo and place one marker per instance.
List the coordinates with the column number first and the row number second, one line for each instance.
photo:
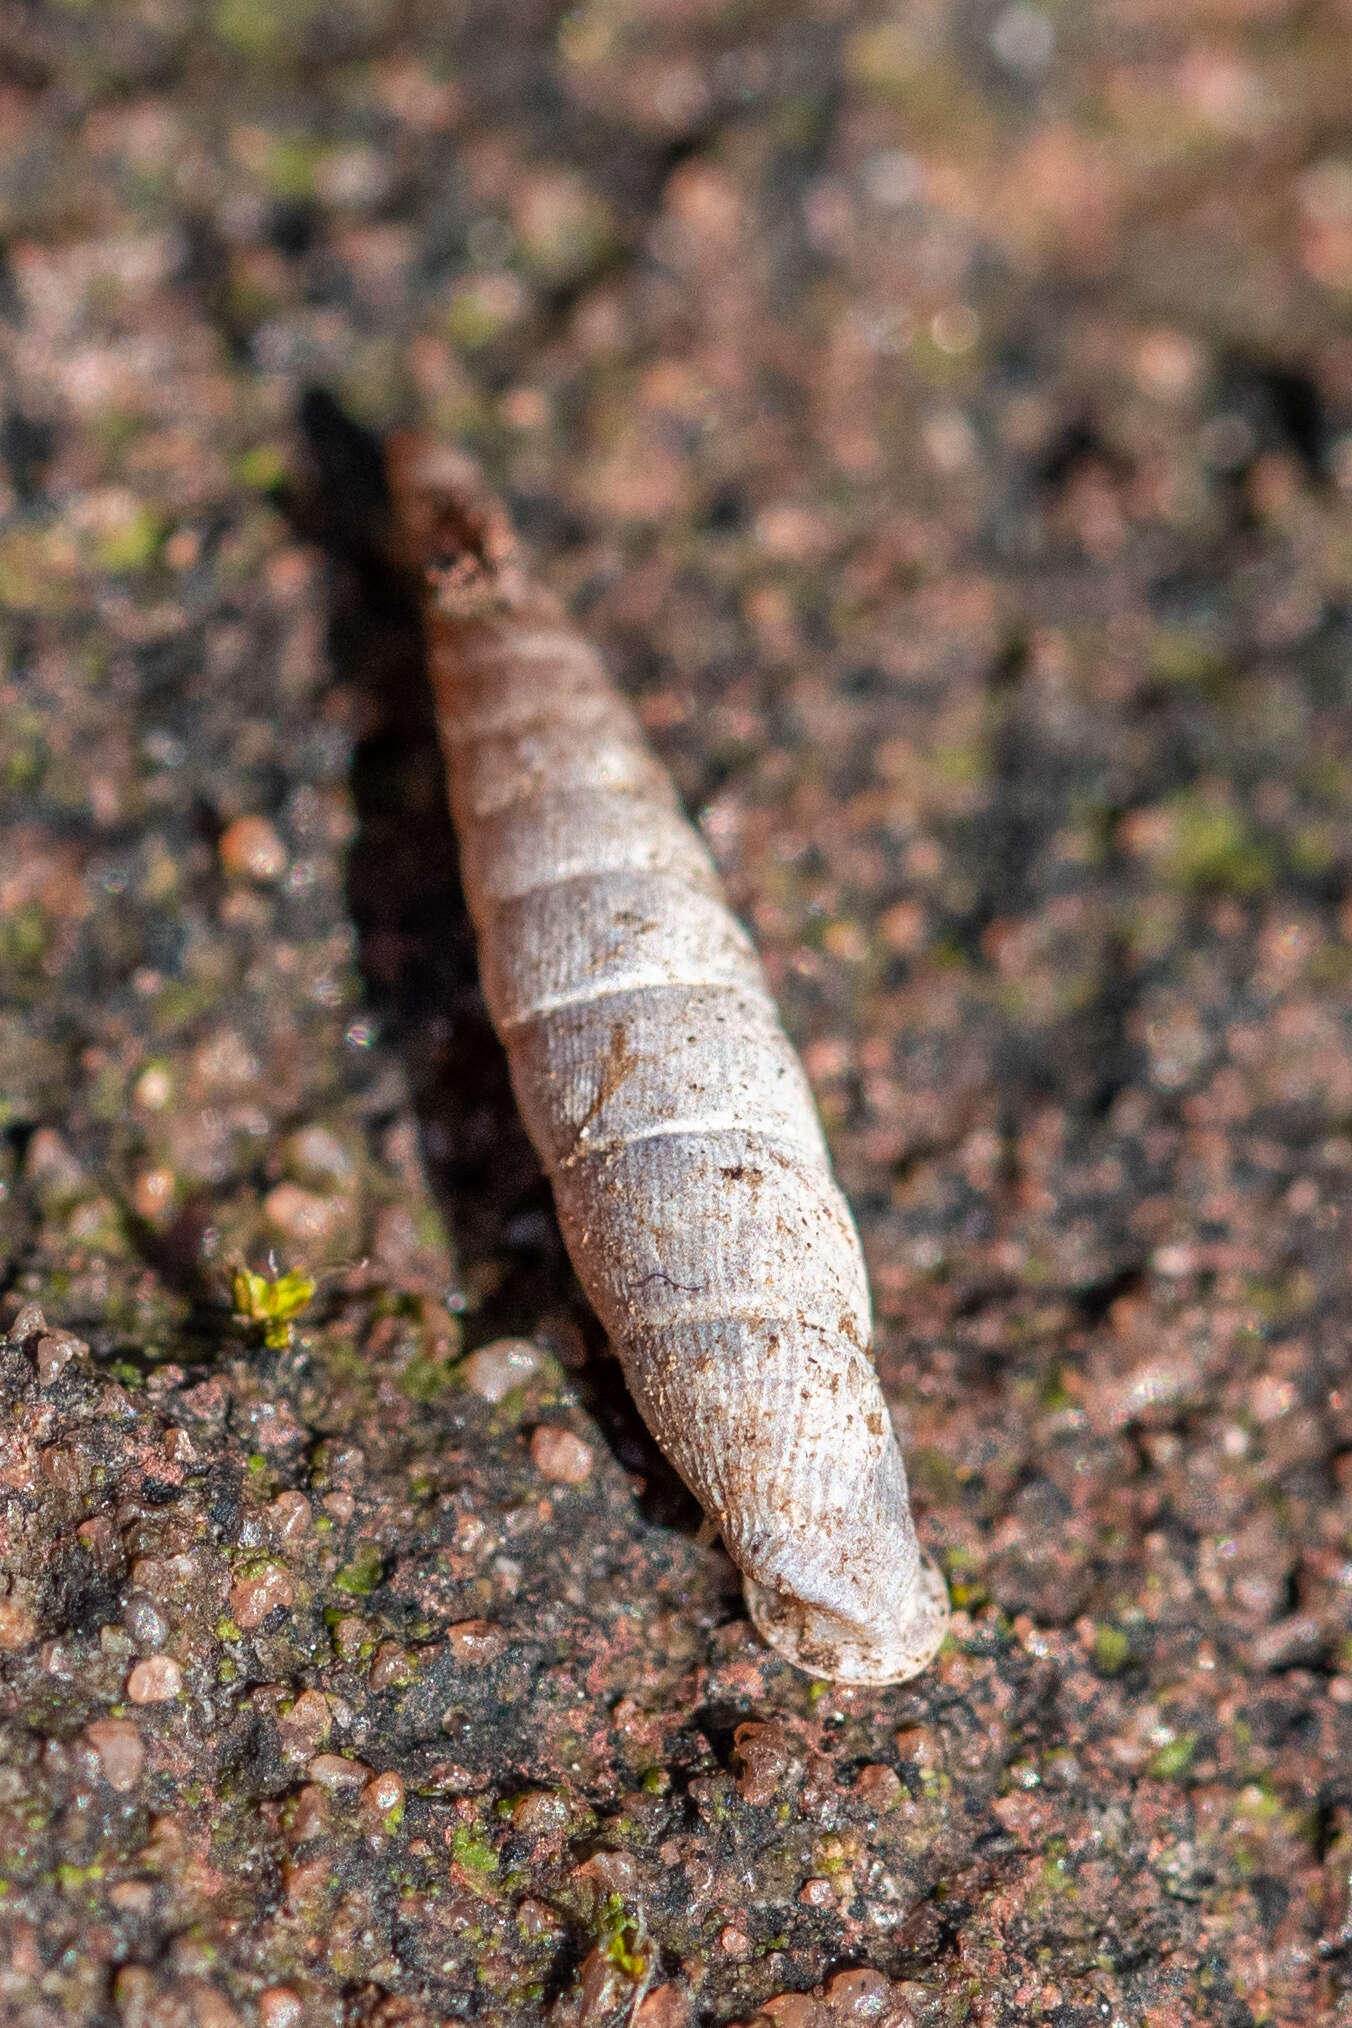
column 942, row 418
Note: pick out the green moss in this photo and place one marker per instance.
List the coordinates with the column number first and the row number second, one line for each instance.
column 426, row 1380
column 37, row 570
column 1112, row 1650
column 1173, row 1760
column 360, row 1577
column 69, row 1876
column 1183, row 659
column 24, row 753
column 1212, row 850
column 482, row 307
column 968, row 1596
column 132, row 544
column 961, row 763
column 264, row 30
column 23, row 938
column 263, row 468
column 569, row 230
column 622, row 1939
column 472, row 1851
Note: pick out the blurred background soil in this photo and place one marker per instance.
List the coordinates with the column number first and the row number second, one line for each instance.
column 941, row 414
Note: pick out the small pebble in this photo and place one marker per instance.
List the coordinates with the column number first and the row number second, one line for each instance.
column 794, row 2010
column 288, row 1516
column 145, row 1623
column 304, row 1878
column 155, row 1680
column 55, row 1350
column 879, row 1786
column 104, row 1544
column 384, row 1793
column 306, row 1724
column 494, row 1370
column 858, row 1995
column 608, row 1873
column 120, row 1749
column 152, row 1194
column 817, row 1893
column 350, row 1635
column 29, row 1322
column 253, row 1598
column 251, row 850
column 53, row 1172
column 560, row 1456
column 132, row 1897
column 212, row 2010
column 317, row 1158
column 154, row 1089
column 63, row 1466
column 331, row 1771
column 540, row 1814
column 474, row 1642
column 664, row 2007
column 391, row 1668
column 310, row 1816
column 536, row 1918
column 279, row 2007
column 17, row 1625
column 302, row 1215
column 134, row 1994
column 763, row 1753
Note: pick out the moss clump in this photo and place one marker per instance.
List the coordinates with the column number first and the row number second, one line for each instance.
column 1173, row 1760
column 132, row 543
column 263, row 468
column 622, row 1939
column 472, row 1851
column 360, row 1577
column 1212, row 850
column 264, row 30
column 1182, row 660
column 1112, row 1650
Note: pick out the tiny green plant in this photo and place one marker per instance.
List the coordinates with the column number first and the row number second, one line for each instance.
column 271, row 1301
column 624, row 1939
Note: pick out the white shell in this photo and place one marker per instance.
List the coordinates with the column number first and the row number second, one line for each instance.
column 693, row 1185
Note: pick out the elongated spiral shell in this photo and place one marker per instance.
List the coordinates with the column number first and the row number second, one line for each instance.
column 693, row 1185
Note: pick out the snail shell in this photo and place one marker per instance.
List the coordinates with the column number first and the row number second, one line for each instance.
column 693, row 1185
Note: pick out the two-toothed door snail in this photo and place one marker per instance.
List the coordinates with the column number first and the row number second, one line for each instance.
column 671, row 1113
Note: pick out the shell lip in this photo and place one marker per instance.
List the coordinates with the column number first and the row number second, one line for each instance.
column 824, row 1643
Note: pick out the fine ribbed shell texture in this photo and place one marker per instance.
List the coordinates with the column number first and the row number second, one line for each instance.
column 693, row 1185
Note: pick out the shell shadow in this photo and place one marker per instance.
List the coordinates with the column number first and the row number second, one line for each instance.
column 415, row 942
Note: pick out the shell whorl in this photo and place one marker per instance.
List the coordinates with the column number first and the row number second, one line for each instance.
column 672, row 1115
